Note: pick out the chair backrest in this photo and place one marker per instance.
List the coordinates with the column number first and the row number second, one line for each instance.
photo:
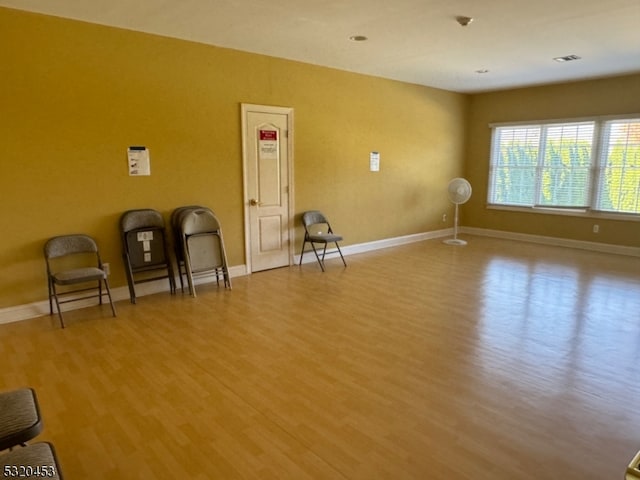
column 178, row 212
column 143, row 239
column 143, row 218
column 313, row 217
column 68, row 245
column 200, row 220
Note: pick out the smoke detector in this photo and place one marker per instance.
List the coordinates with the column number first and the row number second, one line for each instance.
column 464, row 21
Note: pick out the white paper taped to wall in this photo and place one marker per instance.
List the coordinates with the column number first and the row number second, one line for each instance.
column 139, row 162
column 145, row 236
column 374, row 161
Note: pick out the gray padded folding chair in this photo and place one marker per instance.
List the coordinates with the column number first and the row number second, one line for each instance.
column 203, row 246
column 20, row 419
column 86, row 275
column 38, row 460
column 318, row 230
column 176, row 226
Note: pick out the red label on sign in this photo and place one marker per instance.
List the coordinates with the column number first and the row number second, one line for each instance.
column 268, row 135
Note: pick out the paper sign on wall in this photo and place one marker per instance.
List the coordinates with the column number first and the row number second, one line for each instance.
column 139, row 163
column 374, row 161
column 268, row 145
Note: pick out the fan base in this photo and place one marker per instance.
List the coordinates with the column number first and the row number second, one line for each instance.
column 454, row 241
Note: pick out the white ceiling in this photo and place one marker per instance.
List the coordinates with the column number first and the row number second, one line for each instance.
column 416, row 41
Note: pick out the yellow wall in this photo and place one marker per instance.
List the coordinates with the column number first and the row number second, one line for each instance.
column 620, row 95
column 76, row 95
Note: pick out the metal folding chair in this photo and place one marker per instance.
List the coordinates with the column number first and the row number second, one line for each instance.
column 318, row 230
column 20, row 419
column 144, row 249
column 203, row 246
column 86, row 275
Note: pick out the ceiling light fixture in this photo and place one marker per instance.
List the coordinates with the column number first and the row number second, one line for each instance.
column 482, row 70
column 358, row 38
column 567, row 58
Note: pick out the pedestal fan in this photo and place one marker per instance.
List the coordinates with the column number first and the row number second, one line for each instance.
column 459, row 191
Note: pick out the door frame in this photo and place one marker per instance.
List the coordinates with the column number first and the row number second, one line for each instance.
column 288, row 111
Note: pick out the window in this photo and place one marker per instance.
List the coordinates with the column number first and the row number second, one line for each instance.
column 582, row 165
column 619, row 167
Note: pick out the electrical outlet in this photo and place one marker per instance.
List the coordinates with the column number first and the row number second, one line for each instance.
column 596, row 228
column 444, row 217
column 107, row 268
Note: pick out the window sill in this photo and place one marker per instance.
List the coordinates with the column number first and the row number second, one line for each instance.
column 568, row 212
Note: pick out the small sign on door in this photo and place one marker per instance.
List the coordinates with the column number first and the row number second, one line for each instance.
column 268, row 145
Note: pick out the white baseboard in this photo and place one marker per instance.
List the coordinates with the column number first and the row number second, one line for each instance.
column 375, row 245
column 558, row 242
column 38, row 309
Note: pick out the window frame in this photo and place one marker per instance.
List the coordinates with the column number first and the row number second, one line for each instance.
column 595, row 169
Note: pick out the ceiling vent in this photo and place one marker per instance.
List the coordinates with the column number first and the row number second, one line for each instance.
column 568, row 58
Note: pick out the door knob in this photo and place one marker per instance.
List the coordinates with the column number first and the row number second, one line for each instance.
column 254, row 203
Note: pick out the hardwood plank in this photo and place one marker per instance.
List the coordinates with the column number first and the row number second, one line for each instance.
column 497, row 360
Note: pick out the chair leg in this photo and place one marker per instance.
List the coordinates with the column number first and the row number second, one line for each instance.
column 320, row 262
column 187, row 269
column 340, row 252
column 55, row 296
column 49, row 283
column 179, row 254
column 227, row 277
column 180, row 266
column 170, row 272
column 172, row 280
column 130, row 281
column 106, row 285
column 302, row 252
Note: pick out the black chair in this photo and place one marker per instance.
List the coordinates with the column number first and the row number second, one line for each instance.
column 81, row 267
column 144, row 249
column 38, row 460
column 20, row 419
column 318, row 230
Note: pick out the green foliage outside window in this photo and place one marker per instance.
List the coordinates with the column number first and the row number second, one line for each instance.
column 516, row 176
column 556, row 167
column 566, row 175
column 621, row 185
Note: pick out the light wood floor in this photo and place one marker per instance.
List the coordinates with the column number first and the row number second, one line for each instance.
column 498, row 360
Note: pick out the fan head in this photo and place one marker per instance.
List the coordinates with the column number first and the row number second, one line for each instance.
column 459, row 190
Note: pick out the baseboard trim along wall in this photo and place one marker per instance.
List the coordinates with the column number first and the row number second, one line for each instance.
column 559, row 242
column 375, row 245
column 41, row 308
column 38, row 309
